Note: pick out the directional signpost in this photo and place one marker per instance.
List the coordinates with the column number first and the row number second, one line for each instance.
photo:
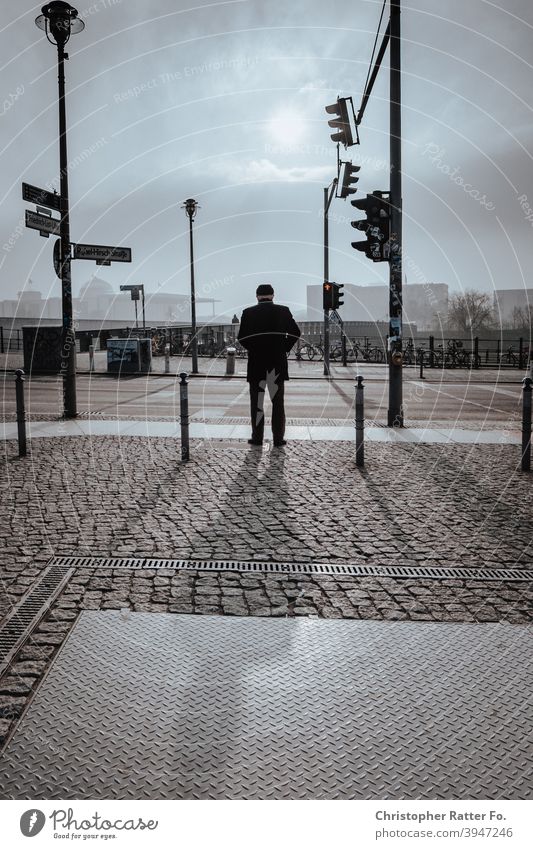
column 102, row 254
column 65, row 251
column 43, row 223
column 33, row 194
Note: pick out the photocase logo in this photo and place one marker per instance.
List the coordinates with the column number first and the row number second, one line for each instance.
column 32, row 822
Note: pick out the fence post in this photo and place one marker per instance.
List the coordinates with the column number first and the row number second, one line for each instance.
column 359, row 423
column 1, row 340
column 91, row 357
column 431, row 352
column 343, row 348
column 498, row 351
column 520, row 352
column 184, row 415
column 526, row 424
column 476, row 351
column 167, row 358
column 21, row 412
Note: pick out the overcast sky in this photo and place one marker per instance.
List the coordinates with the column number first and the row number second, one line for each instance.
column 224, row 102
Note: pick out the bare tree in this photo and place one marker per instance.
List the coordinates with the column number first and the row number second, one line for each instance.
column 522, row 317
column 470, row 311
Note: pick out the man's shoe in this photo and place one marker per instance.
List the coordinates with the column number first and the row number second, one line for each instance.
column 280, row 444
column 255, row 442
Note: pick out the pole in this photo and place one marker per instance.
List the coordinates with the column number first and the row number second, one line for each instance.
column 326, row 278
column 193, row 305
column 68, row 341
column 359, row 423
column 421, row 363
column 136, row 316
column 526, row 424
column 184, row 416
column 21, row 413
column 395, row 410
column 144, row 312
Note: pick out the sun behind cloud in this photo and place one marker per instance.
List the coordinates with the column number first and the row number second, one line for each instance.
column 287, row 126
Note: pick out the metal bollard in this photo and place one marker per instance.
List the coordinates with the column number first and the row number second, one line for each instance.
column 91, row 357
column 359, row 423
column 21, row 413
column 526, row 424
column 167, row 359
column 184, row 415
column 421, row 363
column 230, row 360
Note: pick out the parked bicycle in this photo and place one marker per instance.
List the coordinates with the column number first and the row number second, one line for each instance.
column 509, row 356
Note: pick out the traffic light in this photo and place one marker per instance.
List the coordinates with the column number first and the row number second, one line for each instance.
column 337, row 295
column 327, row 296
column 342, row 122
column 331, row 295
column 376, row 226
column 349, row 180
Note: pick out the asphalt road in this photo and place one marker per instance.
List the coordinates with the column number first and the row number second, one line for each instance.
column 218, row 397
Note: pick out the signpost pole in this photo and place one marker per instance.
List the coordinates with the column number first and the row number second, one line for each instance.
column 68, row 348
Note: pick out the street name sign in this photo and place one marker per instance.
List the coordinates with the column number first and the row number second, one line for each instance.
column 33, row 194
column 101, row 254
column 43, row 223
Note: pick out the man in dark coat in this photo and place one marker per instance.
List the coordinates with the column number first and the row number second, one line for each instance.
column 268, row 332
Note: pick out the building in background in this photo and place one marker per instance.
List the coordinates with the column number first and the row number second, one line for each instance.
column 511, row 305
column 424, row 304
column 97, row 300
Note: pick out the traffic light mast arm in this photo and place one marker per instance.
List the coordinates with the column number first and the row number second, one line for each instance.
column 372, row 80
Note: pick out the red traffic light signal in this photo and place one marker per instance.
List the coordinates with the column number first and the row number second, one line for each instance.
column 342, row 122
column 327, row 296
column 331, row 295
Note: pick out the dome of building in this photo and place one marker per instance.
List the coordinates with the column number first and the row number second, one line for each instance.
column 95, row 287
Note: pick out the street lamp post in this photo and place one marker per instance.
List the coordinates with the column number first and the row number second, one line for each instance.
column 191, row 207
column 59, row 21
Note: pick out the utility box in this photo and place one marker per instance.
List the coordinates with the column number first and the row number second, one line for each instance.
column 129, row 356
column 42, row 349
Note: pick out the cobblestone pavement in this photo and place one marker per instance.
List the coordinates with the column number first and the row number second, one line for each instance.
column 436, row 505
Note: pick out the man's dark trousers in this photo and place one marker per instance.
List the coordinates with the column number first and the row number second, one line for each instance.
column 276, row 392
column 268, row 332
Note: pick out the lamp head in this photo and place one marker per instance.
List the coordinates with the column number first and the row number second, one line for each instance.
column 59, row 20
column 190, row 206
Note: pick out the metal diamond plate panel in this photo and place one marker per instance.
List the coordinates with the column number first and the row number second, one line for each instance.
column 162, row 706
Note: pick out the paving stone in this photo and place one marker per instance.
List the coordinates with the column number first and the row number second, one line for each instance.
column 14, row 686
column 29, row 668
column 11, row 707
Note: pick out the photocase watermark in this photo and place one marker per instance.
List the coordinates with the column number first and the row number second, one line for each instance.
column 184, row 73
column 526, row 208
column 53, row 186
column 11, row 99
column 321, row 150
column 99, row 6
column 436, row 154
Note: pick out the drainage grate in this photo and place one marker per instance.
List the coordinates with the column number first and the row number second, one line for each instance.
column 18, row 625
column 363, row 570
